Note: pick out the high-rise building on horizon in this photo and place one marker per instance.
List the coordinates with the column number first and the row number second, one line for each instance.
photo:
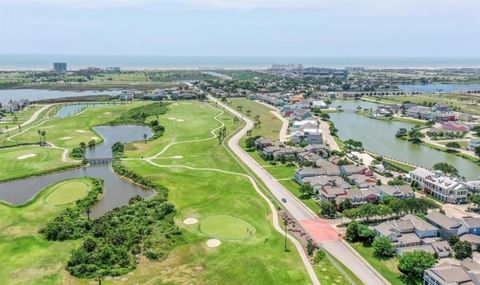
column 60, row 67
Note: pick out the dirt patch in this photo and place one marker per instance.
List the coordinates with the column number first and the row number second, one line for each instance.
column 22, row 157
column 213, row 242
column 190, row 221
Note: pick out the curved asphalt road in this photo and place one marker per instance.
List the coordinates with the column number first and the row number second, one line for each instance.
column 320, row 230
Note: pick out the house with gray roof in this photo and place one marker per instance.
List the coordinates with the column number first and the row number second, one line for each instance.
column 397, row 191
column 304, row 172
column 449, row 273
column 447, row 226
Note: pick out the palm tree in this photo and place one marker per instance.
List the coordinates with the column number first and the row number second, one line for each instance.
column 145, row 136
column 249, row 112
column 88, row 211
column 44, row 135
column 39, row 137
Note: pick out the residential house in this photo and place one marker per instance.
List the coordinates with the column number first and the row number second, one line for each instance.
column 362, row 181
column 304, row 172
column 419, row 112
column 447, row 226
column 422, row 228
column 473, row 144
column 444, row 188
column 317, row 104
column 320, row 149
column 442, row 248
column 262, row 143
column 331, row 194
column 300, row 115
column 474, row 240
column 308, row 157
column 399, row 192
column 351, row 169
column 449, row 273
column 472, row 224
column 453, row 126
column 356, row 197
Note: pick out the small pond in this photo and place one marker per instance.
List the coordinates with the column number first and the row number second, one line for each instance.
column 117, row 191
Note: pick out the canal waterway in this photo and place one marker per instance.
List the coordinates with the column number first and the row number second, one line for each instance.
column 117, row 191
column 378, row 136
column 439, row 87
column 42, row 94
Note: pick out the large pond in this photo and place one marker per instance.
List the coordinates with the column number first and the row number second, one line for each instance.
column 117, row 191
column 439, row 87
column 379, row 136
column 42, row 94
column 70, row 110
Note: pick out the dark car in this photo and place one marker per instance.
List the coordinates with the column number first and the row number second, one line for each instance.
column 284, row 200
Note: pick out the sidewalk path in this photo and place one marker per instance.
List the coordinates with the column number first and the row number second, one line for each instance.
column 320, row 230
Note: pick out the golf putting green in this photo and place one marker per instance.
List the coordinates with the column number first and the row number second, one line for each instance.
column 68, row 191
column 226, row 228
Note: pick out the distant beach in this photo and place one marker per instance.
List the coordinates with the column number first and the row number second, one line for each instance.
column 44, row 62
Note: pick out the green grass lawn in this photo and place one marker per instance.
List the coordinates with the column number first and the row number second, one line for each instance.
column 23, row 161
column 281, row 171
column 327, row 272
column 25, row 256
column 68, row 132
column 270, row 125
column 68, row 191
column 18, row 118
column 294, row 188
column 226, row 205
column 388, row 268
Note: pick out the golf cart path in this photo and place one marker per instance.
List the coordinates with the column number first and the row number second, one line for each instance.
column 275, row 219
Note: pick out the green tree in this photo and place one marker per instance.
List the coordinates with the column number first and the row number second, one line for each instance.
column 476, row 150
column 352, row 232
column 415, row 135
column 414, row 263
column 475, row 199
column 446, row 168
column 462, row 250
column 453, row 240
column 307, row 190
column 328, row 209
column 453, row 145
column 383, row 247
column 366, row 234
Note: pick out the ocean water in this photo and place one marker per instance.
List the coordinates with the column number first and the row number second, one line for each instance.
column 44, row 62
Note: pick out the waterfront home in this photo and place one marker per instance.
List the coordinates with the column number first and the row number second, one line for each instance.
column 453, row 126
column 362, row 181
column 446, row 189
column 304, row 172
column 442, row 187
column 465, row 272
column 419, row 174
column 473, row 144
column 317, row 104
column 447, row 226
column 307, row 135
column 419, row 112
column 473, row 186
column 397, row 191
column 312, row 121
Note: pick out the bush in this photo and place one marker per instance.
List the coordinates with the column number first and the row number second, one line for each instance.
column 319, row 256
column 383, row 247
column 352, row 232
column 462, row 250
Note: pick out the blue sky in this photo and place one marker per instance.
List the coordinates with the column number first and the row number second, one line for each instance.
column 326, row 28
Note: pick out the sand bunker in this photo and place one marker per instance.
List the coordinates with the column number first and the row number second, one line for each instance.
column 213, row 242
column 190, row 221
column 175, row 104
column 81, row 131
column 65, row 138
column 26, row 156
column 94, row 138
column 180, row 120
column 172, row 119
